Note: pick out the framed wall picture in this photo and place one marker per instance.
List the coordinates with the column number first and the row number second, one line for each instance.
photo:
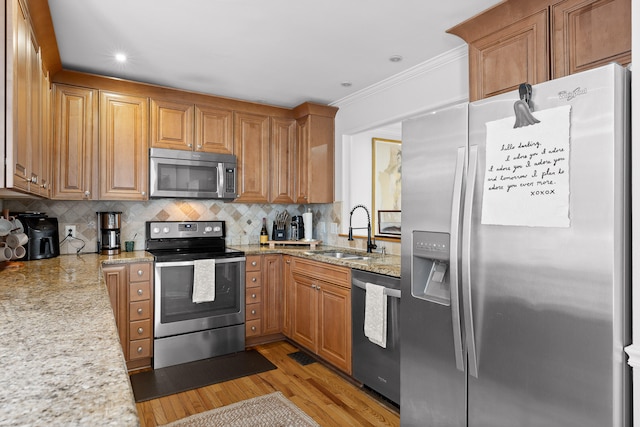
column 389, row 223
column 386, row 182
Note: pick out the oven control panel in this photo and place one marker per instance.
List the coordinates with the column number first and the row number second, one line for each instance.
column 185, row 229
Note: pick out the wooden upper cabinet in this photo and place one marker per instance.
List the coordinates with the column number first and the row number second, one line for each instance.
column 315, row 153
column 251, row 146
column 283, row 160
column 590, row 33
column 171, row 125
column 501, row 61
column 123, row 146
column 516, row 41
column 46, row 172
column 213, row 129
column 75, row 143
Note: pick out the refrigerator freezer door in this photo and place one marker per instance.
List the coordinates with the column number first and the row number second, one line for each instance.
column 433, row 390
column 549, row 303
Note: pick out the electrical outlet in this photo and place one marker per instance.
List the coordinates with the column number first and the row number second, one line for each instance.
column 70, row 229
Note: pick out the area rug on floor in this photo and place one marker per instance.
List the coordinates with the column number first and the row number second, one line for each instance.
column 270, row 410
column 175, row 379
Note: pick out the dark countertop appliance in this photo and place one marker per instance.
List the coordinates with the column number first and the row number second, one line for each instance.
column 42, row 232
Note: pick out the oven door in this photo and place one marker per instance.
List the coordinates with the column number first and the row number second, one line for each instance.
column 175, row 313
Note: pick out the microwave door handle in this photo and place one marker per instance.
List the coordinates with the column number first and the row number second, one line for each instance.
column 221, row 170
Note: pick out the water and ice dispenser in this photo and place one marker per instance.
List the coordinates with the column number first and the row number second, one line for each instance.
column 430, row 267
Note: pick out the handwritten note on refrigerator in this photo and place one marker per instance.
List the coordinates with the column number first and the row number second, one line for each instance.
column 527, row 171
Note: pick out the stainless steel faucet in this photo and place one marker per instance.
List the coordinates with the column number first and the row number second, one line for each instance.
column 370, row 244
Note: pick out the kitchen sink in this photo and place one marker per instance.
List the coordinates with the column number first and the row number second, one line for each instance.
column 343, row 255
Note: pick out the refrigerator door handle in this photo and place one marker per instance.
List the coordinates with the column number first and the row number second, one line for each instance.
column 454, row 273
column 466, row 262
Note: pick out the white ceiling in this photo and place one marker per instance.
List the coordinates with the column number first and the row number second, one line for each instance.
column 278, row 52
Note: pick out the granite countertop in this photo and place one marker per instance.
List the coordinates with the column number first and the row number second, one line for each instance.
column 61, row 362
column 376, row 262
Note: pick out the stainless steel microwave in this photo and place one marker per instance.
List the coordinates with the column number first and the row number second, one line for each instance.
column 192, row 175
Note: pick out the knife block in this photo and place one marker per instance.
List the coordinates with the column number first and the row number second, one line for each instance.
column 278, row 233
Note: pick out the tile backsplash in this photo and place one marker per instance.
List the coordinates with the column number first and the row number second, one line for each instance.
column 243, row 221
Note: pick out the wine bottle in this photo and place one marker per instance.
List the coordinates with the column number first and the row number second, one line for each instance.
column 264, row 236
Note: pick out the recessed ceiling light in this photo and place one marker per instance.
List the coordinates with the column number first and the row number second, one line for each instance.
column 121, row 57
column 346, row 84
column 395, row 58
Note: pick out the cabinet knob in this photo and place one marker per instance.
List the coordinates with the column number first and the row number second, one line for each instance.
column 313, row 286
column 253, row 295
column 140, row 292
column 253, row 328
column 144, row 193
column 288, row 261
column 254, row 279
column 87, row 193
column 139, row 350
column 140, row 273
column 189, row 145
column 199, row 145
column 253, row 312
column 140, row 331
column 139, row 311
column 254, row 263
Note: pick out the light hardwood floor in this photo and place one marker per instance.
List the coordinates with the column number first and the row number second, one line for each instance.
column 321, row 393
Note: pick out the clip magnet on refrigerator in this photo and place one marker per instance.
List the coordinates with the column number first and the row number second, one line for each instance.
column 523, row 107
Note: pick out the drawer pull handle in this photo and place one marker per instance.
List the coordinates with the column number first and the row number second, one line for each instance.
column 254, row 263
column 140, row 273
column 253, row 295
column 253, row 328
column 140, row 331
column 253, row 312
column 254, row 279
column 139, row 350
column 139, row 311
column 140, row 292
column 313, row 286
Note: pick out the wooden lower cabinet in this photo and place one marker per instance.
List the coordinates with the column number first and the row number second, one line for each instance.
column 130, row 288
column 264, row 299
column 321, row 310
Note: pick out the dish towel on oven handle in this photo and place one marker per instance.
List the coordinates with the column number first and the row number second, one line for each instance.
column 375, row 314
column 204, row 280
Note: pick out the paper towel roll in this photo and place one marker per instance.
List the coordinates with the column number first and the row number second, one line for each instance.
column 307, row 218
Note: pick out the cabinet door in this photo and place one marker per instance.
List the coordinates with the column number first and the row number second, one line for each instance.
column 302, row 161
column 171, row 125
column 315, row 165
column 590, row 33
column 272, row 299
column 45, row 138
column 305, row 309
column 18, row 133
column 287, row 308
column 115, row 277
column 334, row 325
column 214, row 129
column 75, row 143
column 514, row 54
column 251, row 146
column 123, row 147
column 35, row 116
column 281, row 167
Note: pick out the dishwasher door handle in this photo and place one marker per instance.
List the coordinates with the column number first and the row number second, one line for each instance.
column 394, row 293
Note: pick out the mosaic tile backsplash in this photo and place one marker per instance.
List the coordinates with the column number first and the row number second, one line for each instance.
column 243, row 221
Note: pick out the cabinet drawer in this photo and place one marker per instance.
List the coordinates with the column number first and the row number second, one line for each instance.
column 340, row 276
column 139, row 272
column 253, row 328
column 139, row 310
column 139, row 291
column 253, row 279
column 254, row 311
column 253, row 296
column 140, row 349
column 140, row 329
column 253, row 263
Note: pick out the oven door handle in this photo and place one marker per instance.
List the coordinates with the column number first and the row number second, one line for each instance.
column 188, row 263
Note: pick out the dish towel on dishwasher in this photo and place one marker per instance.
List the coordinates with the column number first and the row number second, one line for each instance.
column 204, row 280
column 375, row 314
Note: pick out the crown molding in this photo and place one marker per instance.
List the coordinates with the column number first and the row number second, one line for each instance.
column 412, row 73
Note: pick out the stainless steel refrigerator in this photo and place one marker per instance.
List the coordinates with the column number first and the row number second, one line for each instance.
column 517, row 305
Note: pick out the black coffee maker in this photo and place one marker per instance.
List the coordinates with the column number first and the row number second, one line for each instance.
column 42, row 232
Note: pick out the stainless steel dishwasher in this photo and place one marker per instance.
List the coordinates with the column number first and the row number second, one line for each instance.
column 374, row 366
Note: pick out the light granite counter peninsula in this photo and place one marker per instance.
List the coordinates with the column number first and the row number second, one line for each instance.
column 60, row 358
